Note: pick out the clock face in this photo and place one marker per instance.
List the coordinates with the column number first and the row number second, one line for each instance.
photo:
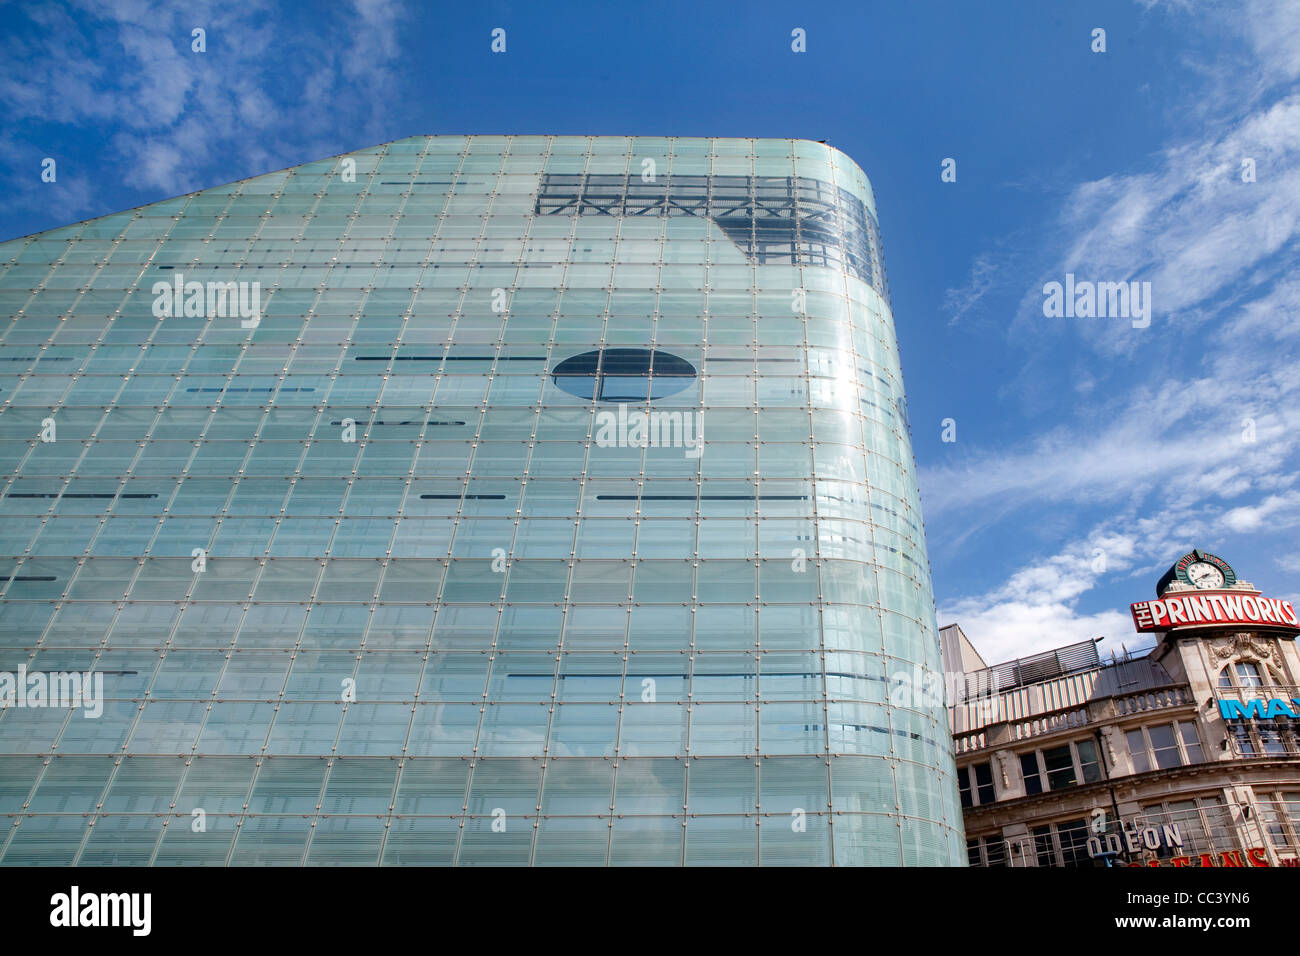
column 1204, row 575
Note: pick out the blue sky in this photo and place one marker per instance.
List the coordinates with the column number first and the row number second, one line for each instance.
column 1089, row 454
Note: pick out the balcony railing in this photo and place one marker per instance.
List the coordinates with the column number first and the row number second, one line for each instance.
column 1050, row 724
column 1069, row 718
column 1130, row 679
column 1157, row 699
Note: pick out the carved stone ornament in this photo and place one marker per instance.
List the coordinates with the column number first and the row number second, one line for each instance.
column 1004, row 760
column 1243, row 643
column 1108, row 735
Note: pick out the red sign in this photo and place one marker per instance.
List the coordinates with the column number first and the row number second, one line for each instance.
column 1257, row 855
column 1192, row 608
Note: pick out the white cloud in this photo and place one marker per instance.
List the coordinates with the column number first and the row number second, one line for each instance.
column 1038, row 606
column 1278, row 511
column 1011, row 629
column 1189, row 431
column 958, row 302
column 1184, row 437
column 256, row 100
column 1191, row 227
column 1036, row 609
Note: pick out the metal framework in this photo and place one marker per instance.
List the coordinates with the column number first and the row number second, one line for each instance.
column 788, row 219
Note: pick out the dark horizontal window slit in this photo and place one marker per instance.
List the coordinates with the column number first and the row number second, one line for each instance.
column 748, row 675
column 466, row 497
column 449, row 358
column 414, row 421
column 701, row 497
column 75, row 494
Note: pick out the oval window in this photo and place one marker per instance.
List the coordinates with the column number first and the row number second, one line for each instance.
column 623, row 375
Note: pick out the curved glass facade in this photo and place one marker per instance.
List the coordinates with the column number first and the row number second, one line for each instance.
column 537, row 500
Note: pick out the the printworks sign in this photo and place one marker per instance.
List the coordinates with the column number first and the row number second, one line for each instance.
column 1222, row 607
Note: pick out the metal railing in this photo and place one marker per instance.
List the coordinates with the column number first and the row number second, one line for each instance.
column 1132, row 680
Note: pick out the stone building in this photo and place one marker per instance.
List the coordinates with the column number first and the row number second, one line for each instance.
column 1186, row 754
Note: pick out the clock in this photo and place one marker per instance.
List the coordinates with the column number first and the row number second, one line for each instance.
column 1204, row 575
column 1201, row 570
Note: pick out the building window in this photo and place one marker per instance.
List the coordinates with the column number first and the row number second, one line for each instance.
column 1089, row 761
column 1029, row 768
column 1241, row 674
column 986, row 851
column 1280, row 816
column 1061, row 844
column 1059, row 764
column 1073, row 837
column 1161, row 746
column 1270, row 738
column 1191, row 741
column 1044, row 848
column 1251, row 738
column 1164, row 745
column 975, row 784
column 1274, row 738
column 1060, row 767
column 1241, row 739
column 1202, row 821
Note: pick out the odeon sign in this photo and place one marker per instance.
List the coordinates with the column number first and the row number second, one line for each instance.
column 1223, row 607
column 1169, row 838
column 1135, row 840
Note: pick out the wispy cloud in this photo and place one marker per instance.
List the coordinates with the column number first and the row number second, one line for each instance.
column 1038, row 606
column 1174, row 437
column 1192, row 227
column 1202, row 409
column 260, row 96
column 958, row 302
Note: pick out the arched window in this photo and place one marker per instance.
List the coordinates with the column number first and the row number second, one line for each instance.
column 1241, row 674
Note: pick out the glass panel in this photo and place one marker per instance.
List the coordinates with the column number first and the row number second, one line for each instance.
column 1137, row 748
column 1029, row 769
column 1044, row 847
column 1088, row 762
column 1073, row 837
column 1059, row 763
column 1248, row 674
column 1164, row 745
column 984, row 781
column 1191, row 742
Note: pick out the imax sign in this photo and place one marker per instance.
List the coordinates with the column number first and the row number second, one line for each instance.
column 1260, row 709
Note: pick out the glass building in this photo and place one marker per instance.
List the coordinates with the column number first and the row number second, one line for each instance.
column 469, row 500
